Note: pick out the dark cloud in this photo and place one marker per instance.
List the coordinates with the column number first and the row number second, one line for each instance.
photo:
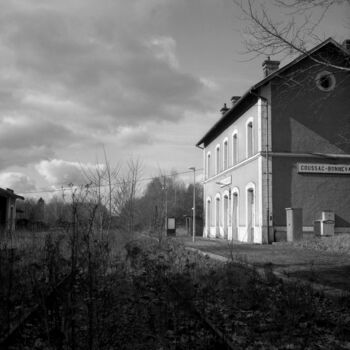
column 26, row 133
column 80, row 73
column 98, row 63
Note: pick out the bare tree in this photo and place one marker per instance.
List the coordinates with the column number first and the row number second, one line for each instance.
column 125, row 195
column 292, row 32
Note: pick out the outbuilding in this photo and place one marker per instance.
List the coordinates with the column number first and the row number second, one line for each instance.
column 7, row 211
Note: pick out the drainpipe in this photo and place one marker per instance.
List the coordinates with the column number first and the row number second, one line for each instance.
column 267, row 155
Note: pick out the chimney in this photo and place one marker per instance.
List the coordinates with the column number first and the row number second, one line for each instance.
column 234, row 99
column 224, row 109
column 270, row 66
column 346, row 45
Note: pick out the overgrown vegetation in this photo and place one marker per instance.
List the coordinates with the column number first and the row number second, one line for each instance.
column 339, row 243
column 154, row 295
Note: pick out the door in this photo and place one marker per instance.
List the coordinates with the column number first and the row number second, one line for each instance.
column 235, row 216
column 217, row 218
column 250, row 215
column 226, row 206
column 208, row 217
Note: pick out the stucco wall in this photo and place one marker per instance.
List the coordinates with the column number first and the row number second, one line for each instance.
column 311, row 192
column 241, row 127
column 308, row 120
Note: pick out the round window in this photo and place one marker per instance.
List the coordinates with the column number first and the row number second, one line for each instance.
column 325, row 81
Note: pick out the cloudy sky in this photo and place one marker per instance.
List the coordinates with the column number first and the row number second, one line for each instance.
column 140, row 78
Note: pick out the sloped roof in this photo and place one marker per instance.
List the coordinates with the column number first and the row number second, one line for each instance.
column 8, row 193
column 231, row 113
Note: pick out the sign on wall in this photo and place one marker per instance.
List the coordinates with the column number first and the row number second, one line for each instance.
column 225, row 182
column 318, row 168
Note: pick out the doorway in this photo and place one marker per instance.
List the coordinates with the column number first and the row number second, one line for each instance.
column 217, row 218
column 226, row 216
column 250, row 215
column 235, row 216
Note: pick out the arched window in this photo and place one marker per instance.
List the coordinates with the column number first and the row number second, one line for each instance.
column 208, row 221
column 250, row 139
column 217, row 159
column 226, row 213
column 225, row 162
column 235, row 148
column 217, row 211
column 250, row 211
column 208, row 165
column 235, row 213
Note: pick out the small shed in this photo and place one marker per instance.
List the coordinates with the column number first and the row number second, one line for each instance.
column 7, row 211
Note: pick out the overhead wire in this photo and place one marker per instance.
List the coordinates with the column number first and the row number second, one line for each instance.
column 105, row 185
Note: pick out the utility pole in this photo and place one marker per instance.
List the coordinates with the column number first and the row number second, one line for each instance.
column 194, row 204
column 166, row 206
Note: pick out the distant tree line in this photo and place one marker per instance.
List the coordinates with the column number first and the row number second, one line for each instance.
column 129, row 208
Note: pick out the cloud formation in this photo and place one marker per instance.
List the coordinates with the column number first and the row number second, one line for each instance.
column 17, row 181
column 75, row 73
column 60, row 172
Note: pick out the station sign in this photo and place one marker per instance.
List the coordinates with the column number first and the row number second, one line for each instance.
column 225, row 182
column 319, row 168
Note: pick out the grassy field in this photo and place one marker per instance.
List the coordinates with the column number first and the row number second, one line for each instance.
column 339, row 244
column 319, row 260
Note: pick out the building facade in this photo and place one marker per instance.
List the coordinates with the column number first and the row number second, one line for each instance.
column 284, row 144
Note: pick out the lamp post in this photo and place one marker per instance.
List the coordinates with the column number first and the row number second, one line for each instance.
column 194, row 203
column 165, row 189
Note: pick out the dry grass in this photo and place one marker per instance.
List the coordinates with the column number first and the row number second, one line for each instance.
column 337, row 244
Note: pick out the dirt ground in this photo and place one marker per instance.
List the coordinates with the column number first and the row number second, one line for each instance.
column 329, row 269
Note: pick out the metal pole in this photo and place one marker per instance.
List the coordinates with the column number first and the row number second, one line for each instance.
column 194, row 204
column 166, row 208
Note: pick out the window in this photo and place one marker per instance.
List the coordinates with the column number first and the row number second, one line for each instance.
column 235, row 148
column 217, row 159
column 249, row 139
column 225, row 154
column 209, row 223
column 217, row 214
column 325, row 81
column 208, row 165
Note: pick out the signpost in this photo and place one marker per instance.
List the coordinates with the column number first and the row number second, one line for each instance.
column 319, row 168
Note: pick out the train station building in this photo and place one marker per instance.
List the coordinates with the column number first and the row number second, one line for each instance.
column 282, row 146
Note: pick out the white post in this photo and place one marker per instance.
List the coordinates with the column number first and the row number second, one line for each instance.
column 194, row 204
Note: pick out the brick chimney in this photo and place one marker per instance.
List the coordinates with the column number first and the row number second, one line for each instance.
column 346, row 45
column 234, row 99
column 270, row 66
column 224, row 109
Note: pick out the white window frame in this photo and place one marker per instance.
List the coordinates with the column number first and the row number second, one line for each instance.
column 217, row 217
column 234, row 147
column 235, row 190
column 217, row 159
column 250, row 186
column 208, row 213
column 208, row 165
column 225, row 157
column 249, row 140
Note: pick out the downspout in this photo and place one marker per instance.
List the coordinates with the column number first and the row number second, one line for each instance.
column 204, row 192
column 267, row 155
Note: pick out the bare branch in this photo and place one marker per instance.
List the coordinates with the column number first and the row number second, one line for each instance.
column 265, row 36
